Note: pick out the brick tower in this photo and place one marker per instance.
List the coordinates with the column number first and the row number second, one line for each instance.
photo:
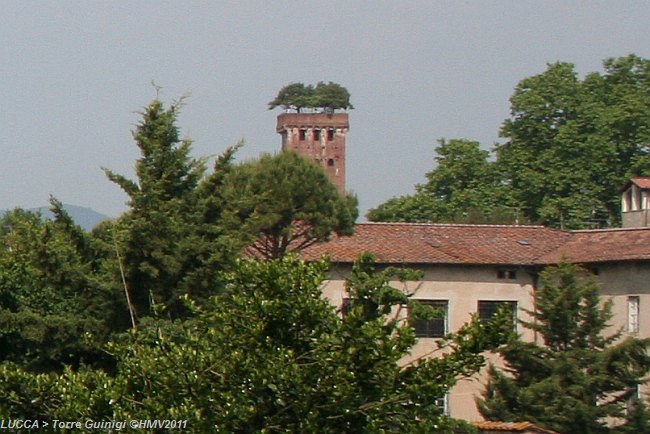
column 320, row 137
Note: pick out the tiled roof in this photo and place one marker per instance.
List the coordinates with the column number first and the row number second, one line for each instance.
column 410, row 243
column 511, row 427
column 442, row 244
column 640, row 181
column 604, row 245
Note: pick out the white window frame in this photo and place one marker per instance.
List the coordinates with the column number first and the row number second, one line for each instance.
column 443, row 404
column 633, row 312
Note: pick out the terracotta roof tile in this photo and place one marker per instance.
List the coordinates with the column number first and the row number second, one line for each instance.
column 640, row 181
column 604, row 245
column 442, row 243
column 511, row 427
column 411, row 243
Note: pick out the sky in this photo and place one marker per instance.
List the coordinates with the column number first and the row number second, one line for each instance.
column 75, row 74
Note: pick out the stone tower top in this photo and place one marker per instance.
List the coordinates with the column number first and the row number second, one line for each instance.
column 319, row 137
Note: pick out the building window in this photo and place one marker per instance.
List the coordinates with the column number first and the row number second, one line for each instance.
column 345, row 307
column 488, row 308
column 302, row 134
column 330, row 162
column 633, row 398
column 443, row 404
column 627, row 200
column 633, row 314
column 434, row 327
column 330, row 134
column 316, row 134
column 506, row 274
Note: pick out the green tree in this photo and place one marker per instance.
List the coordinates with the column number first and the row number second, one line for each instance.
column 572, row 143
column 464, row 187
column 293, row 95
column 577, row 377
column 53, row 309
column 152, row 235
column 331, row 96
column 297, row 96
column 637, row 419
column 185, row 225
column 285, row 203
column 271, row 355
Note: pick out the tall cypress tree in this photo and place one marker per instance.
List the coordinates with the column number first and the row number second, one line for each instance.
column 161, row 203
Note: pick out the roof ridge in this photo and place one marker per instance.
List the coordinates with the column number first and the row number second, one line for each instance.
column 462, row 225
column 609, row 230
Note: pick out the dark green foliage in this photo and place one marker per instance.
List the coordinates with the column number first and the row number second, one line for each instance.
column 151, row 233
column 53, row 310
column 329, row 96
column 185, row 226
column 285, row 203
column 579, row 377
column 171, row 232
column 271, row 355
column 295, row 95
column 572, row 143
column 637, row 419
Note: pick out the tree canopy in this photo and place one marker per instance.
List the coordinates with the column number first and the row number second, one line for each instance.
column 326, row 96
column 50, row 296
column 285, row 202
column 186, row 224
column 271, row 355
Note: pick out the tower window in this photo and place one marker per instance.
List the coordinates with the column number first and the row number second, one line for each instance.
column 316, row 134
column 330, row 134
column 302, row 134
column 330, row 162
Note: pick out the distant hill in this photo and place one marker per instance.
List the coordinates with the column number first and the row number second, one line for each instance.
column 87, row 218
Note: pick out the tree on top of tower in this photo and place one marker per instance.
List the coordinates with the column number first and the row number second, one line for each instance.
column 323, row 96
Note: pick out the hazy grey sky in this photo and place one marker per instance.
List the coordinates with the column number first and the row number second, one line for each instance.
column 75, row 73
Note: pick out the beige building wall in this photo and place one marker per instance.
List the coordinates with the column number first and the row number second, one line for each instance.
column 627, row 284
column 462, row 287
column 620, row 282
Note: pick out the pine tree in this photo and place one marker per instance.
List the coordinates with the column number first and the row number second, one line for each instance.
column 578, row 377
column 285, row 203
